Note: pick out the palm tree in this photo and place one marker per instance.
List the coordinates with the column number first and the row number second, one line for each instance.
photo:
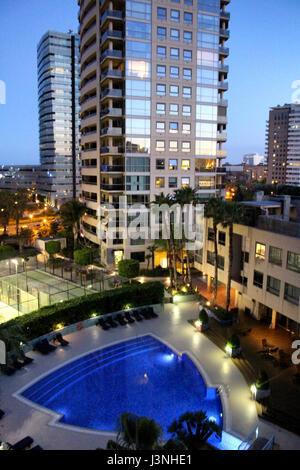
column 71, row 213
column 214, row 209
column 194, row 429
column 187, row 197
column 136, row 433
column 233, row 214
column 19, row 206
column 25, row 235
column 12, row 336
column 6, row 202
column 152, row 249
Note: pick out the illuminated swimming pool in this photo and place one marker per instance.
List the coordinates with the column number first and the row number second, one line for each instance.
column 141, row 376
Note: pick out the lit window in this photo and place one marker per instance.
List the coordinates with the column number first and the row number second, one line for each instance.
column 160, row 145
column 173, row 164
column 185, row 182
column 159, row 183
column 185, row 165
column 173, row 145
column 260, row 251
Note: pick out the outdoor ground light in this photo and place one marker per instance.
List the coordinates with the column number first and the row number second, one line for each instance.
column 198, row 325
column 253, row 391
column 228, row 350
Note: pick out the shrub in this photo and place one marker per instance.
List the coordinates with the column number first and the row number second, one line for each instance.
column 83, row 257
column 262, row 382
column 46, row 319
column 157, row 272
column 53, row 247
column 6, row 251
column 129, row 268
column 221, row 313
column 234, row 341
column 203, row 317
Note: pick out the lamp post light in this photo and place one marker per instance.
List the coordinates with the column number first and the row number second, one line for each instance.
column 15, row 262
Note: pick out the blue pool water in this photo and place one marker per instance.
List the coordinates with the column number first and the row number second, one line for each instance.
column 141, row 376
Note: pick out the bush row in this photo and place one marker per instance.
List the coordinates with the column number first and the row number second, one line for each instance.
column 46, row 319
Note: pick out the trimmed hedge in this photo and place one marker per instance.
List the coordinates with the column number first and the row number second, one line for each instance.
column 46, row 319
column 157, row 272
column 203, row 317
column 83, row 257
column 53, row 247
column 6, row 252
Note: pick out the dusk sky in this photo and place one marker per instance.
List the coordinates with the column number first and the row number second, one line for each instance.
column 264, row 62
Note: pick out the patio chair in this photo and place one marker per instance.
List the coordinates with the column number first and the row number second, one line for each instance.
column 152, row 313
column 145, row 313
column 15, row 362
column 24, row 444
column 111, row 323
column 137, row 316
column 1, row 414
column 7, row 370
column 61, row 340
column 103, row 324
column 120, row 320
column 129, row 318
column 44, row 347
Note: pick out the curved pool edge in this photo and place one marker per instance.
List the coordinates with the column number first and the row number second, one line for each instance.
column 56, row 417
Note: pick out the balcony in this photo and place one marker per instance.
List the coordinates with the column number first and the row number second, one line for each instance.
column 223, row 86
column 114, row 112
column 114, row 53
column 224, row 51
column 223, row 68
column 221, row 153
column 112, row 92
column 112, row 168
column 221, row 137
column 112, row 187
column 225, row 15
column 225, row 33
column 112, row 35
column 223, row 103
column 114, row 14
column 111, row 150
column 111, row 131
column 109, row 73
column 222, row 119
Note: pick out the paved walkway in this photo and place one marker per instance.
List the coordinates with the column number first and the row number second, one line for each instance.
column 172, row 327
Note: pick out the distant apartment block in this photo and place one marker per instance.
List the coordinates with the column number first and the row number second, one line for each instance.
column 153, row 107
column 245, row 174
column 14, row 177
column 253, row 159
column 283, row 145
column 58, row 90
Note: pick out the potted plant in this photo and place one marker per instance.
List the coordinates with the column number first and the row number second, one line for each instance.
column 262, row 385
column 233, row 346
column 203, row 321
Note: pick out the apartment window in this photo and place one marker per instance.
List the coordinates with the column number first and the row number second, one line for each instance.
column 210, row 235
column 260, row 251
column 210, row 258
column 159, row 183
column 161, row 90
column 161, row 13
column 258, row 279
column 222, row 238
column 172, row 182
column 174, row 72
column 221, row 262
column 293, row 261
column 187, row 74
column 187, row 92
column 160, row 164
column 175, row 15
column 174, row 109
column 173, row 164
column 185, row 182
column 174, row 53
column 187, row 55
column 188, row 17
column 161, row 70
column 175, row 34
column 161, row 52
column 186, row 146
column 174, row 90
column 173, row 127
column 291, row 294
column 161, row 32
column 188, row 36
column 160, row 145
column 173, row 146
column 275, row 255
column 185, row 165
column 138, row 255
column 273, row 285
column 186, row 110
column 160, row 127
column 186, row 128
column 160, row 108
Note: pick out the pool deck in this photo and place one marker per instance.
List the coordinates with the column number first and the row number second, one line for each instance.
column 172, row 328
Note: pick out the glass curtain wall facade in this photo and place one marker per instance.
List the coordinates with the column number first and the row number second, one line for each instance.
column 153, row 79
column 58, row 90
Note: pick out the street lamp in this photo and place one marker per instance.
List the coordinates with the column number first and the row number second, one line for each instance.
column 15, row 262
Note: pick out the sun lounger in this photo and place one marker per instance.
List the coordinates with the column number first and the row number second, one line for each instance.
column 24, row 444
column 103, row 324
column 145, row 313
column 14, row 362
column 120, row 320
column 152, row 313
column 44, row 347
column 37, row 448
column 137, row 316
column 111, row 323
column 59, row 339
column 27, row 360
column 1, row 414
column 129, row 318
column 7, row 370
